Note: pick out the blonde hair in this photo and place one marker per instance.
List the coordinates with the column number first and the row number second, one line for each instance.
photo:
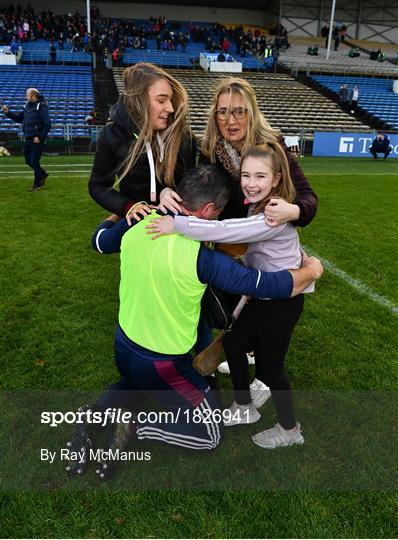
column 280, row 165
column 259, row 130
column 137, row 81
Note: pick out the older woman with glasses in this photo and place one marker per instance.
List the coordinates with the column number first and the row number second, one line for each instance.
column 235, row 124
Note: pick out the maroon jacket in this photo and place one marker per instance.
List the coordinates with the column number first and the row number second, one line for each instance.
column 306, row 199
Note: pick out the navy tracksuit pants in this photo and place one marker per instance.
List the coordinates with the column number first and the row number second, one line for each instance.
column 33, row 152
column 175, row 385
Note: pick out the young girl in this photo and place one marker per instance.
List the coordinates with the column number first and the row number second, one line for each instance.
column 264, row 326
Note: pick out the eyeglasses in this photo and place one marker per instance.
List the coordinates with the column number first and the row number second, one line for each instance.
column 238, row 113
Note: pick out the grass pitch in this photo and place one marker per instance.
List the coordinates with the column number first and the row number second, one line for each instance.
column 59, row 309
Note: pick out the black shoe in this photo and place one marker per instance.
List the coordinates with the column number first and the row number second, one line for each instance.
column 119, row 437
column 82, row 444
column 46, row 175
column 34, row 188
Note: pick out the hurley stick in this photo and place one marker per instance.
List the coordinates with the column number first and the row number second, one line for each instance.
column 207, row 361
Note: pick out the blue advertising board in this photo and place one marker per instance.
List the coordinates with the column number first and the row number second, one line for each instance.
column 338, row 144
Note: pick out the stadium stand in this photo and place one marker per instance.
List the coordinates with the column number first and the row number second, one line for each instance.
column 179, row 59
column 376, row 97
column 163, row 58
column 296, row 59
column 388, row 49
column 68, row 91
column 289, row 105
column 39, row 52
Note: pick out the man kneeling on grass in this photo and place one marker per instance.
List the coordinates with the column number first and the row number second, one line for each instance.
column 161, row 287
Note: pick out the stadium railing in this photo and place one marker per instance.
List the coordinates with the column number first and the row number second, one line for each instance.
column 64, row 136
column 63, row 58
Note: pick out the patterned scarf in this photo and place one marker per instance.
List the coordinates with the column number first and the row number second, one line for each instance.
column 228, row 157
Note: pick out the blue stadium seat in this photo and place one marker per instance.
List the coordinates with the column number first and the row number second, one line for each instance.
column 68, row 91
column 375, row 95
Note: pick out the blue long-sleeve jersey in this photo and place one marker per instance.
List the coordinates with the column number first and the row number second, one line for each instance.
column 213, row 267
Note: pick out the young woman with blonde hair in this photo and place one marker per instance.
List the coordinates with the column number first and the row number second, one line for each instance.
column 146, row 147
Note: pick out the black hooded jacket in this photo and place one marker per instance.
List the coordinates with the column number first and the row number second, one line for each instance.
column 34, row 118
column 113, row 146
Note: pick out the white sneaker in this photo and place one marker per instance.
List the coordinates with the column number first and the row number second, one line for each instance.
column 259, row 393
column 250, row 358
column 277, row 436
column 223, row 367
column 240, row 414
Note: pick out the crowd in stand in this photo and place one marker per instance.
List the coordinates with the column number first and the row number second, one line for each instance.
column 19, row 25
column 339, row 34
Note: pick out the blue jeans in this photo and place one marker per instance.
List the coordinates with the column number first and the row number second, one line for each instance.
column 33, row 152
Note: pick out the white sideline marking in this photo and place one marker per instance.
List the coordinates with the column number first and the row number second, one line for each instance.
column 355, row 283
column 53, row 173
column 350, row 174
column 57, row 165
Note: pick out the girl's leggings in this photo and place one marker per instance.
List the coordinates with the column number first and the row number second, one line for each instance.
column 265, row 327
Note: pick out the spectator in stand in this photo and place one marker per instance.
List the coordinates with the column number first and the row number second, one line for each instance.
column 61, row 41
column 14, row 45
column 117, row 57
column 53, row 53
column 336, row 37
column 86, row 42
column 354, row 52
column 380, row 56
column 325, row 34
column 373, row 55
column 225, row 45
column 269, row 63
column 108, row 59
column 35, row 126
column 312, row 51
column 239, row 41
column 91, row 118
column 354, row 99
column 380, row 145
column 343, row 96
column 158, row 40
column 76, row 43
column 268, row 52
